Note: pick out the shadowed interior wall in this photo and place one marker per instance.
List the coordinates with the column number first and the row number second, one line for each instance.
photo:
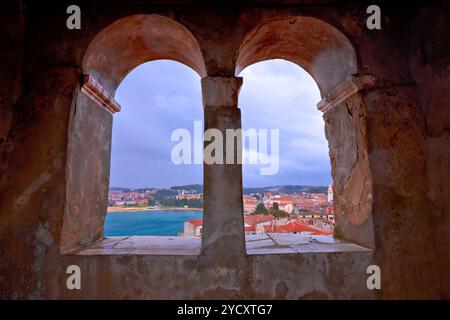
column 430, row 69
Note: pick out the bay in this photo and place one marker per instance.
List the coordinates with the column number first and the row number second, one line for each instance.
column 148, row 223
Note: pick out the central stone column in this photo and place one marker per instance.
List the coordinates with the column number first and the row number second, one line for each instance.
column 223, row 219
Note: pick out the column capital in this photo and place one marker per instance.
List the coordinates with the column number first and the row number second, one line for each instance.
column 221, row 91
column 345, row 90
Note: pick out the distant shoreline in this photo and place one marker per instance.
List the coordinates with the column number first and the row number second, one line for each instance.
column 137, row 209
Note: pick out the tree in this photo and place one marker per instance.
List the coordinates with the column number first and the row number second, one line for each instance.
column 275, row 211
column 261, row 209
column 279, row 213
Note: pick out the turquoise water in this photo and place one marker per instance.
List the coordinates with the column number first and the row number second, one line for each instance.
column 148, row 223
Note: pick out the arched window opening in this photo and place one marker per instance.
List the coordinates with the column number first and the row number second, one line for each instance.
column 150, row 193
column 329, row 57
column 288, row 190
column 330, row 63
column 129, row 46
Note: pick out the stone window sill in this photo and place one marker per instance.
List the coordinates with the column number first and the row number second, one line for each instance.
column 291, row 243
column 272, row 243
column 142, row 245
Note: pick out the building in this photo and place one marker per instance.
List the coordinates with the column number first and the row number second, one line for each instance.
column 130, row 197
column 249, row 204
column 330, row 193
column 296, row 227
column 254, row 224
column 330, row 213
column 195, row 196
column 193, row 228
column 285, row 202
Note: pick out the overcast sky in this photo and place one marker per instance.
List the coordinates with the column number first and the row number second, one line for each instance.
column 161, row 96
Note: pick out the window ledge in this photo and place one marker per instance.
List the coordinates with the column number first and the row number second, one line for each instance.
column 291, row 243
column 143, row 245
column 271, row 243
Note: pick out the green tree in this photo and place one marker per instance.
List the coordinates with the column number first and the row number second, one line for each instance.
column 261, row 209
column 275, row 211
column 279, row 213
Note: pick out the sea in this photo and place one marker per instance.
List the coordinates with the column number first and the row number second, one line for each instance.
column 148, row 223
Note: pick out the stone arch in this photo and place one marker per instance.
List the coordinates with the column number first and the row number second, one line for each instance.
column 111, row 55
column 133, row 40
column 330, row 58
column 316, row 46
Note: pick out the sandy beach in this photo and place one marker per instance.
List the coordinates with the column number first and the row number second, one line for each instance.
column 133, row 209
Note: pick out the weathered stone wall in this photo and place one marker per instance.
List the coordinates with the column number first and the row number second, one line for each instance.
column 346, row 131
column 87, row 173
column 430, row 66
column 403, row 224
column 11, row 51
column 400, row 127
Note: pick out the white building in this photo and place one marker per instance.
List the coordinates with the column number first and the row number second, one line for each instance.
column 330, row 193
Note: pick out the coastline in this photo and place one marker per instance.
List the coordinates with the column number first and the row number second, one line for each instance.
column 137, row 209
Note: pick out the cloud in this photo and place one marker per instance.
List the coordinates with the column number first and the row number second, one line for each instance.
column 156, row 97
column 279, row 94
column 161, row 96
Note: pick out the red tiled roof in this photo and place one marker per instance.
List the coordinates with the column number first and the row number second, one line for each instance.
column 305, row 203
column 296, row 226
column 195, row 223
column 287, row 199
column 259, row 218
